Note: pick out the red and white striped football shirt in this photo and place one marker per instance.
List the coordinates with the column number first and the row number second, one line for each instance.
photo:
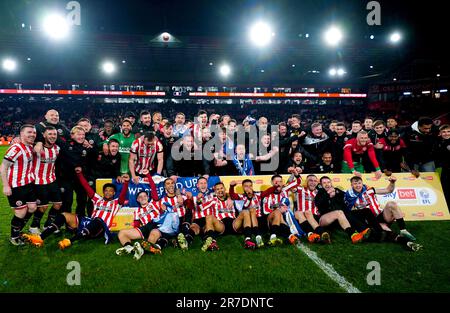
column 305, row 200
column 369, row 200
column 200, row 210
column 219, row 207
column 145, row 155
column 272, row 202
column 146, row 214
column 44, row 165
column 254, row 202
column 21, row 172
column 179, row 209
column 105, row 209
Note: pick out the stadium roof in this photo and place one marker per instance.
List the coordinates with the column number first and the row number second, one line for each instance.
column 214, row 32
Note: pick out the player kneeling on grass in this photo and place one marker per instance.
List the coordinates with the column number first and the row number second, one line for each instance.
column 271, row 204
column 331, row 206
column 306, row 211
column 198, row 214
column 221, row 218
column 105, row 208
column 165, row 228
column 363, row 203
column 252, row 205
column 144, row 216
column 183, row 207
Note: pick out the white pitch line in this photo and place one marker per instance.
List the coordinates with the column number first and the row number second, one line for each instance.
column 328, row 269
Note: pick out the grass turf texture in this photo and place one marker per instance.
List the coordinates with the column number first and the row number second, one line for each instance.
column 231, row 269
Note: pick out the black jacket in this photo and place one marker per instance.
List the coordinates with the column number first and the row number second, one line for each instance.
column 63, row 132
column 73, row 155
column 325, row 204
column 106, row 166
column 94, row 140
column 442, row 154
column 419, row 147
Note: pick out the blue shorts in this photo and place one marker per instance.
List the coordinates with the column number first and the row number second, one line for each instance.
column 84, row 221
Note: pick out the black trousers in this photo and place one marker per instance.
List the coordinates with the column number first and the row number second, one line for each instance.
column 68, row 186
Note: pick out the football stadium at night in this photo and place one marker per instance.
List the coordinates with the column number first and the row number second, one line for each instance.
column 207, row 148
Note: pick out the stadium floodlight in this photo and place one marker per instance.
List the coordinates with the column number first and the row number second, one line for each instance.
column 333, row 36
column 56, row 26
column 9, row 65
column 332, row 72
column 395, row 37
column 261, row 34
column 225, row 70
column 108, row 67
column 341, row 72
column 372, row 37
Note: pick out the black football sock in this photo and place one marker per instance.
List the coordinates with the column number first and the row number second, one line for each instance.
column 190, row 236
column 319, row 230
column 51, row 216
column 16, row 227
column 275, row 229
column 285, row 231
column 256, row 231
column 37, row 216
column 26, row 218
column 306, row 227
column 349, row 231
column 59, row 221
column 209, row 233
column 247, row 232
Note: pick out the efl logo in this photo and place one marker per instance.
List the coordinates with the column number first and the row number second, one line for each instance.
column 419, row 214
column 336, row 180
column 437, row 214
column 407, row 194
column 427, row 178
